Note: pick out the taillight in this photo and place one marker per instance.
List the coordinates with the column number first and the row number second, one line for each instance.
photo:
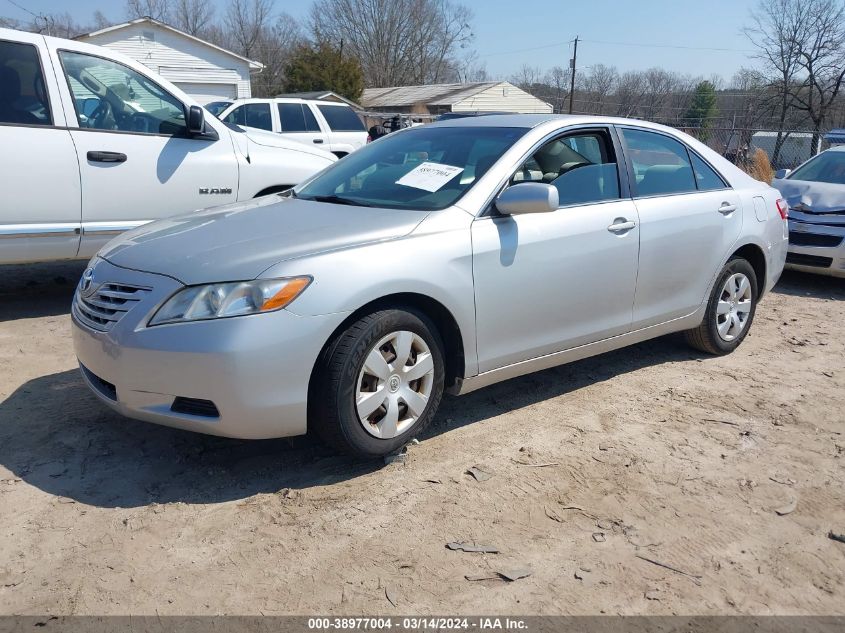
column 783, row 208
column 369, row 138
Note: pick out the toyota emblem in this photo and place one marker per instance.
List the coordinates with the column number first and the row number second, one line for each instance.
column 87, row 281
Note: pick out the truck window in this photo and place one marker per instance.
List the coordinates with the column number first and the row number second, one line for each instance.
column 255, row 115
column 23, row 98
column 292, row 117
column 111, row 96
column 342, row 118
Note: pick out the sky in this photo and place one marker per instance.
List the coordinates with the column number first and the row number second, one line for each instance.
column 677, row 35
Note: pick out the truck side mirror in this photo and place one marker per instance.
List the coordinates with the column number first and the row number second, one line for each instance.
column 196, row 120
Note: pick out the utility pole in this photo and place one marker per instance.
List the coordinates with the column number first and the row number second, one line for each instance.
column 572, row 63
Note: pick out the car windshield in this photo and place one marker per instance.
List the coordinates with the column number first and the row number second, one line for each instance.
column 826, row 167
column 425, row 168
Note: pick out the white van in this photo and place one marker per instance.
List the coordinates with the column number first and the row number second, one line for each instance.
column 93, row 144
column 328, row 124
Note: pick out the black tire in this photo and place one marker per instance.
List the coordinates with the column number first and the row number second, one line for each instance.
column 706, row 336
column 332, row 412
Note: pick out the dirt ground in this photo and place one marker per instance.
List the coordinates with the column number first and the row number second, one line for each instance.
column 644, row 481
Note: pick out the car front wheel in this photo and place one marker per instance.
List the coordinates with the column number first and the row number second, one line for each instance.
column 378, row 383
column 730, row 310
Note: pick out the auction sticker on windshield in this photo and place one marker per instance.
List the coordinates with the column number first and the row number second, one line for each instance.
column 429, row 176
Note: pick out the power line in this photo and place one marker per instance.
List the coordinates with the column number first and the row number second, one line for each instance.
column 522, row 50
column 15, row 4
column 675, row 46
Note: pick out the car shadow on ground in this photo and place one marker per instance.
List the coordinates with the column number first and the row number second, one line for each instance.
column 30, row 291
column 56, row 436
column 800, row 284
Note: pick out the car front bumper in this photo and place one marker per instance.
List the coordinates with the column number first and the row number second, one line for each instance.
column 816, row 247
column 245, row 377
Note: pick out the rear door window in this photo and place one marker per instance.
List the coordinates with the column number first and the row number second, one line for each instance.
column 705, row 176
column 342, row 118
column 292, row 117
column 310, row 120
column 23, row 97
column 661, row 164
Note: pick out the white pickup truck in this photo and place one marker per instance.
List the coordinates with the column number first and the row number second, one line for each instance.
column 93, row 144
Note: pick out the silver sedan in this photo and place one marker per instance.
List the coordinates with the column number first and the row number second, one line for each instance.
column 439, row 258
column 815, row 193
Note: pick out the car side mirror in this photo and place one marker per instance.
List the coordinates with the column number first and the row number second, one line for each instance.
column 528, row 197
column 780, row 174
column 196, row 120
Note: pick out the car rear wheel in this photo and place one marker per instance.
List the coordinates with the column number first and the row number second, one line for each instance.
column 730, row 310
column 378, row 383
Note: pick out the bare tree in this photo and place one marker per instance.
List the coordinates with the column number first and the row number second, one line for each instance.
column 776, row 30
column 469, row 69
column 100, row 21
column 527, row 77
column 558, row 79
column 193, row 16
column 245, row 23
column 632, row 94
column 821, row 58
column 155, row 9
column 597, row 84
column 398, row 42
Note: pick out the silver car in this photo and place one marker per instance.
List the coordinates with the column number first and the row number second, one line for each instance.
column 815, row 193
column 440, row 258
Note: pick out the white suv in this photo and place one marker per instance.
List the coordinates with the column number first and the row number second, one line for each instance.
column 94, row 144
column 330, row 125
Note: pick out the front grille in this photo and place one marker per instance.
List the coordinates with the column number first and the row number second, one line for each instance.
column 105, row 307
column 799, row 259
column 813, row 239
column 195, row 406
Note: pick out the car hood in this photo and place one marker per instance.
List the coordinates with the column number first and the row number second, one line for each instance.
column 812, row 197
column 240, row 241
column 271, row 139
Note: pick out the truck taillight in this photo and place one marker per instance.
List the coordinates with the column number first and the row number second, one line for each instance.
column 369, row 139
column 783, row 208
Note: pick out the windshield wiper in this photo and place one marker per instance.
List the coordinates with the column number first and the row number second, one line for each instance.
column 333, row 199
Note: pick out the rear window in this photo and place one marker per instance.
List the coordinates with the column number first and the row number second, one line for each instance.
column 23, row 98
column 342, row 118
column 293, row 118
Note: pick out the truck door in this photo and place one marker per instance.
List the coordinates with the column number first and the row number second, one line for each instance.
column 40, row 205
column 137, row 161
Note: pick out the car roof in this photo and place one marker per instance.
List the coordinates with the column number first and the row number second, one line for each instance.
column 288, row 100
column 533, row 120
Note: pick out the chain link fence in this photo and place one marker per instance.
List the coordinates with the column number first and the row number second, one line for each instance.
column 785, row 150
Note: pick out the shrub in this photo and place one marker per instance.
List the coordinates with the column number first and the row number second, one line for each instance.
column 759, row 167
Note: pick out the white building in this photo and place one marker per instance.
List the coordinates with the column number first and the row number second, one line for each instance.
column 201, row 69
column 487, row 96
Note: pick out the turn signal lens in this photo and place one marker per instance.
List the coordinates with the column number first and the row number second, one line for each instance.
column 783, row 208
column 288, row 293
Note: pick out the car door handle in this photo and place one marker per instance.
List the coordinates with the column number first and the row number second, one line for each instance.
column 727, row 208
column 106, row 157
column 621, row 225
column 318, row 140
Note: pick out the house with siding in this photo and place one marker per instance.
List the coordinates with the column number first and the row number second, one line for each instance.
column 203, row 70
column 487, row 96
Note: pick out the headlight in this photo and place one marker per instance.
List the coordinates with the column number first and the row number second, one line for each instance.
column 215, row 301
